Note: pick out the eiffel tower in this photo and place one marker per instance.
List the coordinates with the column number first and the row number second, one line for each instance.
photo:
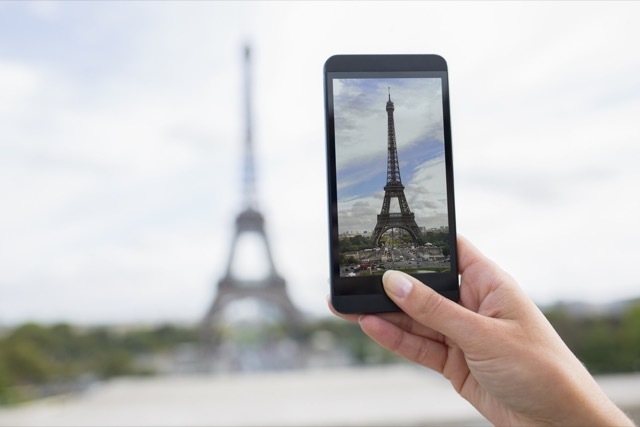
column 270, row 289
column 394, row 188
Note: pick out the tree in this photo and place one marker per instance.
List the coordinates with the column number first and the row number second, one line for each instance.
column 27, row 363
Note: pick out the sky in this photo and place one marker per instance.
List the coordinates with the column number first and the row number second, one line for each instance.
column 121, row 134
column 361, row 123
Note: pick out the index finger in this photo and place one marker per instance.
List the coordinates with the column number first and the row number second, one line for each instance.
column 431, row 309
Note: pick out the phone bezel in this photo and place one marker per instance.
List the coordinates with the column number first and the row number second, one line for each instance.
column 365, row 294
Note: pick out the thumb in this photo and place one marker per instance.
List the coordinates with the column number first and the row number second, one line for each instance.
column 429, row 308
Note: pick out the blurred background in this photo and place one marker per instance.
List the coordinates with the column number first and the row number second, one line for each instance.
column 121, row 177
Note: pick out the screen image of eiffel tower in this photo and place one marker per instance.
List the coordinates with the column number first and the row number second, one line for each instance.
column 386, row 221
column 163, row 200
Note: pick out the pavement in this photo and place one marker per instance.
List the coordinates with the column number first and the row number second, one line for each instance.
column 401, row 395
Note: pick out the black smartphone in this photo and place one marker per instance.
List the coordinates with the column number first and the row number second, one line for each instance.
column 390, row 177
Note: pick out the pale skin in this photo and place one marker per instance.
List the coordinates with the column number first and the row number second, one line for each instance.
column 495, row 347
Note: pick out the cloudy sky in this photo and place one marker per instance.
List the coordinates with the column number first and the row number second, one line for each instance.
column 121, row 134
column 361, row 123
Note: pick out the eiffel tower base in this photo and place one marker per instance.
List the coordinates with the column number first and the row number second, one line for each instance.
column 403, row 221
column 222, row 354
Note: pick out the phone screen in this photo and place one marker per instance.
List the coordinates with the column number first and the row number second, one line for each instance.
column 391, row 187
column 390, row 175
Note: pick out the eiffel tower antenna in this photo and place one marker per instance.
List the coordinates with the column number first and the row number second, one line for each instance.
column 250, row 200
column 394, row 189
column 268, row 289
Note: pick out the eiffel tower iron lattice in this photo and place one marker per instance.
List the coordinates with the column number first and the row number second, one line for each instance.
column 271, row 288
column 387, row 220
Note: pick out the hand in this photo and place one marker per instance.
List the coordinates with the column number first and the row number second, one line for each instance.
column 495, row 347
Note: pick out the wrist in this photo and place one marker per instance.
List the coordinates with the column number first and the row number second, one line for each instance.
column 588, row 405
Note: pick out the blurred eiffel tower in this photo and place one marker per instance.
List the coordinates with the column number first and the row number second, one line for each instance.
column 270, row 289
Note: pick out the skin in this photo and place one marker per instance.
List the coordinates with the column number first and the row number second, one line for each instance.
column 495, row 347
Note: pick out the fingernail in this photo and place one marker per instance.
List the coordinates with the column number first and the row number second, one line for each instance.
column 397, row 284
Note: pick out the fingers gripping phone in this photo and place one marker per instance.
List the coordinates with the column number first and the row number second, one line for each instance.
column 390, row 177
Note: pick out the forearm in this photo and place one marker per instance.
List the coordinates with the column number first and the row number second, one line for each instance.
column 592, row 407
column 541, row 382
column 578, row 400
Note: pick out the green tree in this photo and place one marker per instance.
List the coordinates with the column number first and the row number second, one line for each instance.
column 115, row 363
column 630, row 335
column 354, row 243
column 27, row 363
column 6, row 382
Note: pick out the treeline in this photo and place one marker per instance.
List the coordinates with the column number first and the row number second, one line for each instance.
column 349, row 336
column 439, row 239
column 354, row 243
column 40, row 360
column 604, row 342
column 37, row 360
column 360, row 242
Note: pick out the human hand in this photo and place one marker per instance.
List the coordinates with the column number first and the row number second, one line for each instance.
column 496, row 348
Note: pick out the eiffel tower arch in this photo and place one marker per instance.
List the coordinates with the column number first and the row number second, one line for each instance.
column 405, row 219
column 270, row 289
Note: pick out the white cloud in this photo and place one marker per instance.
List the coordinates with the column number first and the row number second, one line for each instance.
column 427, row 195
column 18, row 83
column 46, row 9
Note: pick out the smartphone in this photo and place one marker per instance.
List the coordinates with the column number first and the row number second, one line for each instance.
column 389, row 176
